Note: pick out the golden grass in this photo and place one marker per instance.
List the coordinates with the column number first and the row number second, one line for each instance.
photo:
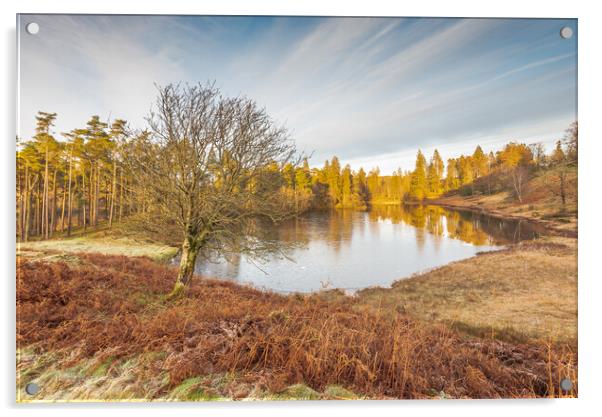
column 103, row 330
column 528, row 291
column 103, row 242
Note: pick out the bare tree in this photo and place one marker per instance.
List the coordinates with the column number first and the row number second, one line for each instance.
column 539, row 154
column 204, row 166
column 520, row 176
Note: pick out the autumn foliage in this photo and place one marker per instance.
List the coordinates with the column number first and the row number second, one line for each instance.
column 114, row 307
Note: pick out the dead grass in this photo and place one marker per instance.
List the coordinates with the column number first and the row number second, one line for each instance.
column 528, row 291
column 541, row 202
column 103, row 330
column 107, row 242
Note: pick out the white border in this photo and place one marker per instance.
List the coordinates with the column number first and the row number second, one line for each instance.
column 590, row 346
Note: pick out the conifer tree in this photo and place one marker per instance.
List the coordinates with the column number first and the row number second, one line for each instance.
column 451, row 180
column 479, row 162
column 438, row 163
column 558, row 156
column 334, row 181
column 433, row 181
column 346, row 187
column 48, row 148
column 418, row 186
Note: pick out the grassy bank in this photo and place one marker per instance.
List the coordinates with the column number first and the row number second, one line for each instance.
column 524, row 293
column 101, row 329
column 540, row 203
column 106, row 241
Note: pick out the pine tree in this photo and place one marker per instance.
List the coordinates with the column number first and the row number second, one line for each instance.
column 465, row 169
column 479, row 163
column 418, row 185
column 433, row 181
column 452, row 181
column 360, row 185
column 558, row 156
column 118, row 134
column 98, row 148
column 438, row 162
column 346, row 187
column 334, row 181
column 49, row 149
column 434, row 175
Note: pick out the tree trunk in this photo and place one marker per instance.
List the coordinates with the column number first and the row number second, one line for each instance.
column 39, row 214
column 91, row 195
column 96, row 193
column 113, row 189
column 25, row 214
column 19, row 202
column 120, row 193
column 517, row 179
column 84, row 197
column 45, row 197
column 63, row 205
column 190, row 250
column 53, row 212
column 69, row 197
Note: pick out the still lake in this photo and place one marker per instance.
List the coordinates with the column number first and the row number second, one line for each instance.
column 357, row 249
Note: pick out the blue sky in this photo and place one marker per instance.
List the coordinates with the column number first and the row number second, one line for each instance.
column 370, row 90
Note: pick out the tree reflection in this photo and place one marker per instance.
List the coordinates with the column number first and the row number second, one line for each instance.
column 474, row 228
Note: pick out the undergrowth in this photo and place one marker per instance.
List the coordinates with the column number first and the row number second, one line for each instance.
column 222, row 340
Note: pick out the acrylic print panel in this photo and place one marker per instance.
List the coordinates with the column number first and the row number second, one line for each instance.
column 309, row 208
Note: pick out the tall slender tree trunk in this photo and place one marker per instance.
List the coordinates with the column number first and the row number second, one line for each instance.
column 26, row 217
column 38, row 197
column 69, row 196
column 45, row 197
column 91, row 196
column 96, row 193
column 84, row 197
column 25, row 213
column 19, row 202
column 53, row 212
column 113, row 189
column 63, row 206
column 120, row 193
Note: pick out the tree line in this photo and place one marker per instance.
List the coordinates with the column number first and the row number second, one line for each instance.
column 85, row 179
column 476, row 173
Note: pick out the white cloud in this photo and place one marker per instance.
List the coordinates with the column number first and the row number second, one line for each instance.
column 365, row 89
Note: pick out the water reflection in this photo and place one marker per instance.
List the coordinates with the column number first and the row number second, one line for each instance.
column 350, row 249
column 468, row 226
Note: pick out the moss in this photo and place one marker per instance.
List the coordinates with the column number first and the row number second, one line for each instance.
column 192, row 389
column 337, row 392
column 103, row 367
column 298, row 392
column 178, row 291
column 37, row 364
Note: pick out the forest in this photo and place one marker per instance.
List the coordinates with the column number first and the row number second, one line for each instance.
column 83, row 178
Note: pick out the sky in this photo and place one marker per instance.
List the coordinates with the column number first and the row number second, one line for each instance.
column 370, row 90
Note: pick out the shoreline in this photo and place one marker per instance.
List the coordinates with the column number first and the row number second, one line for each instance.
column 554, row 227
